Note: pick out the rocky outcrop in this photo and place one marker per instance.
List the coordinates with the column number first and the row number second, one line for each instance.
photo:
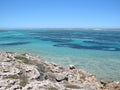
column 27, row 72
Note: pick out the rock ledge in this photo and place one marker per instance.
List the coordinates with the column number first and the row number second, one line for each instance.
column 27, row 72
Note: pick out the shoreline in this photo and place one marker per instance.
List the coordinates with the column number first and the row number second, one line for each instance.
column 106, row 79
column 27, row 72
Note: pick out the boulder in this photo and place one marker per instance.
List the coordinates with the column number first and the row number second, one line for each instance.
column 60, row 77
column 71, row 67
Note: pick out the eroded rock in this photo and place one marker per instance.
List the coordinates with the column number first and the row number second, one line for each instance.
column 27, row 72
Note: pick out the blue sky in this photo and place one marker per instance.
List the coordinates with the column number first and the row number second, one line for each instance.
column 59, row 13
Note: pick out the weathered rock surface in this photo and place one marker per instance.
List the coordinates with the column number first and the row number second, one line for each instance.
column 27, row 72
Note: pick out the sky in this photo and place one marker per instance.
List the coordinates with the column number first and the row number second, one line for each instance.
column 59, row 13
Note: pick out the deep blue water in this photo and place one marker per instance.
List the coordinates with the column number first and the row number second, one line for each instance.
column 95, row 51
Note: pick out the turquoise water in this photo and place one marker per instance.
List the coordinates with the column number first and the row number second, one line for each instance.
column 97, row 52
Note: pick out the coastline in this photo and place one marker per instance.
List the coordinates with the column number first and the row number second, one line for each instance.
column 104, row 63
column 28, row 72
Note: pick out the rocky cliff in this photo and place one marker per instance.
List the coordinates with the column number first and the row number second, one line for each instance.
column 27, row 72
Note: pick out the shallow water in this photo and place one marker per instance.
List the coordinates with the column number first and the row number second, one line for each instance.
column 95, row 51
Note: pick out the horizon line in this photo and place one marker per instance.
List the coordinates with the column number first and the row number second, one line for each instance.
column 81, row 28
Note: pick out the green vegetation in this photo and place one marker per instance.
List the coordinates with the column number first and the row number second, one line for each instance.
column 24, row 59
column 23, row 83
column 23, row 80
column 21, row 58
column 50, row 76
column 72, row 86
column 52, row 88
column 41, row 67
column 10, row 52
column 65, row 82
column 13, row 76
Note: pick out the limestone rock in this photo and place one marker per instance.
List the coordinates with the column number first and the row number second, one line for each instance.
column 27, row 72
column 71, row 67
column 60, row 77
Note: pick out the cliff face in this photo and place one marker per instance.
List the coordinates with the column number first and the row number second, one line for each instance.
column 27, row 72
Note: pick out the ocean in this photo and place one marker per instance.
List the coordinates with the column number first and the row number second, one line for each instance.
column 96, row 51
